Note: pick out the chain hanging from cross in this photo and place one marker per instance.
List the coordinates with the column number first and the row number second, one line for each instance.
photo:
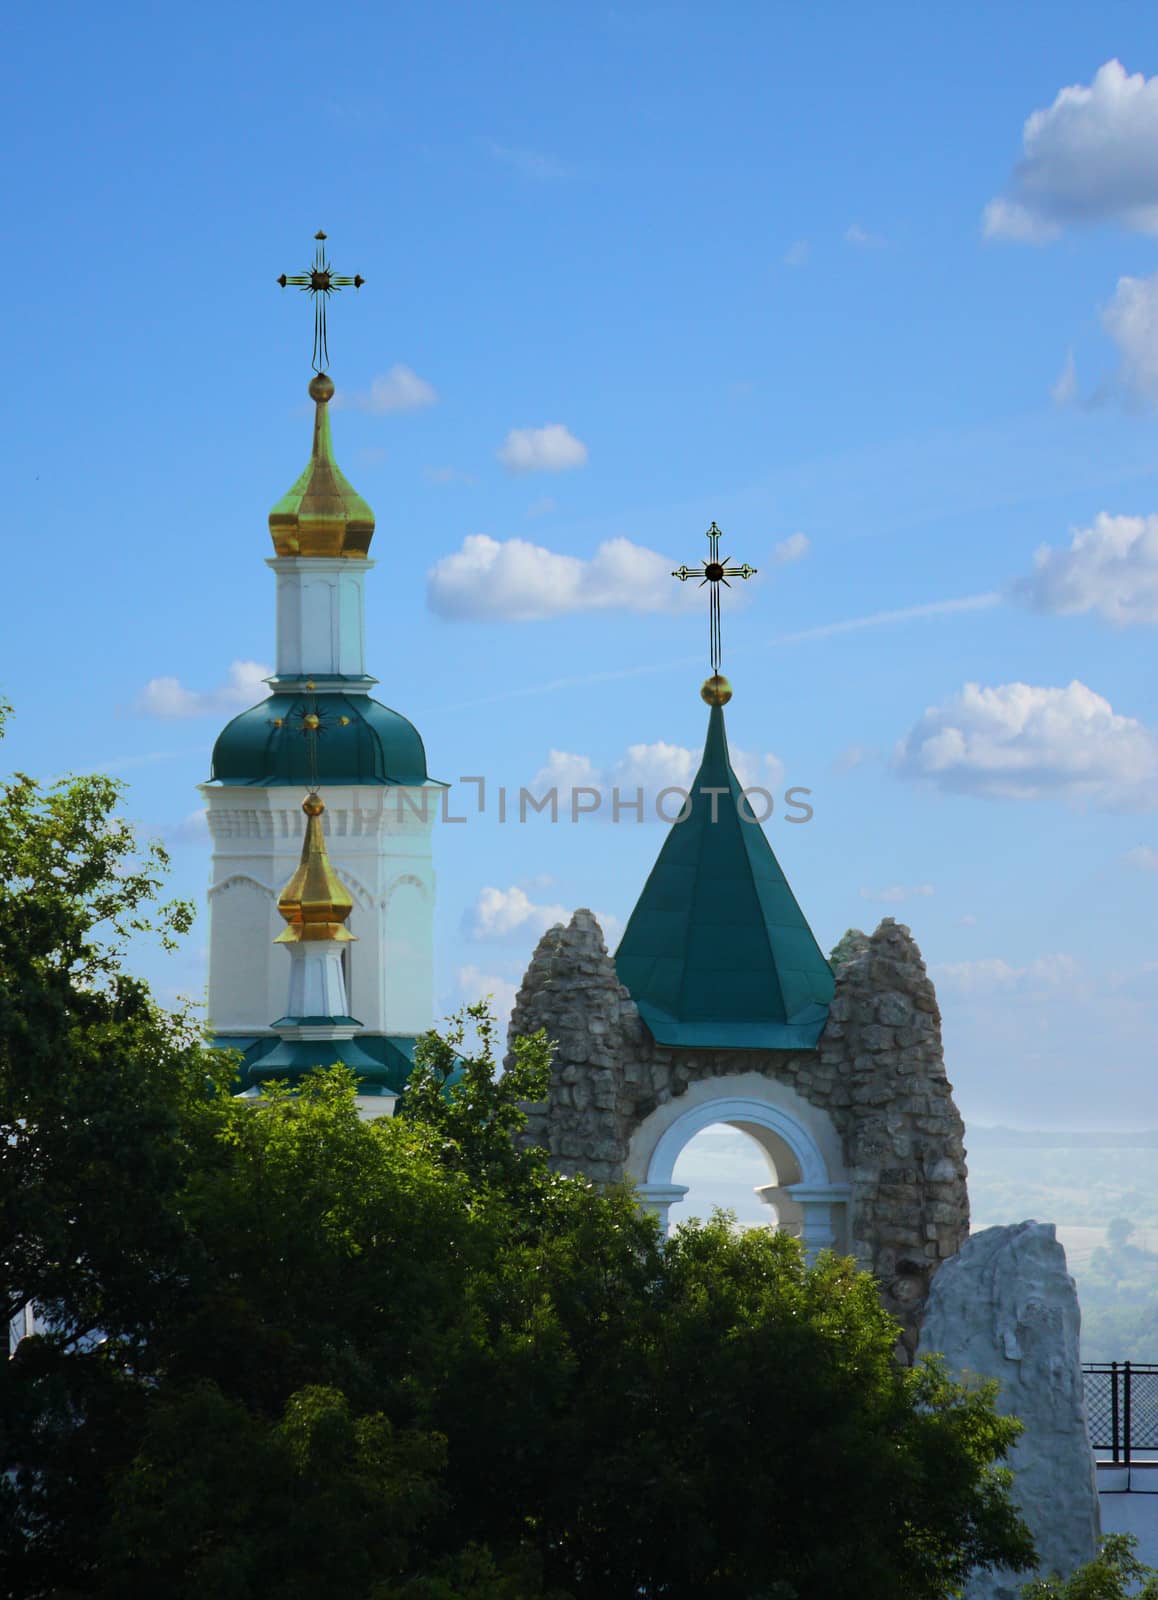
column 320, row 282
column 714, row 572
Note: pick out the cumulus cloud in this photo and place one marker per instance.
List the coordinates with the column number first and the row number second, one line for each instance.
column 1021, row 742
column 794, row 548
column 1110, row 568
column 169, row 698
column 1092, row 156
column 400, row 389
column 511, row 916
column 650, row 768
column 516, row 581
column 499, row 913
column 1143, row 856
column 551, row 448
column 897, row 892
column 1131, row 320
column 993, row 975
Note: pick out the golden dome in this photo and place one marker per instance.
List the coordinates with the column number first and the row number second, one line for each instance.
column 717, row 691
column 322, row 515
column 314, row 902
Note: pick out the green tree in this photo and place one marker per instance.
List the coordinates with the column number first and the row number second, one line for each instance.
column 290, row 1350
column 1114, row 1574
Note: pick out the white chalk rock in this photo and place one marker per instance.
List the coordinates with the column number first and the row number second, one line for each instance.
column 1005, row 1307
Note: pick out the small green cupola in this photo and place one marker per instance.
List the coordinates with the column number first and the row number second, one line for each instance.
column 717, row 953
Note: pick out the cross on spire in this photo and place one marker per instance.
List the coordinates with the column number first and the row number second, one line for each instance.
column 714, row 572
column 320, row 282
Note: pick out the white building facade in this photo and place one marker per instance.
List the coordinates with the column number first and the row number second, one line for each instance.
column 321, row 729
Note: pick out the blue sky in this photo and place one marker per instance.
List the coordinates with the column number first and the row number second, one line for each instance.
column 803, row 270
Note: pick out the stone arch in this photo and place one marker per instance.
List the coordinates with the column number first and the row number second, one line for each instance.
column 799, row 1141
column 873, row 1093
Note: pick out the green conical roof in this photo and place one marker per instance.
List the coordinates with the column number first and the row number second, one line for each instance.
column 717, row 953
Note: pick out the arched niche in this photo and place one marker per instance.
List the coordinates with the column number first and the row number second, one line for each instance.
column 800, row 1143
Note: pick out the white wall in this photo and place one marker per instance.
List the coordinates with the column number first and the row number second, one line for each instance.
column 380, row 849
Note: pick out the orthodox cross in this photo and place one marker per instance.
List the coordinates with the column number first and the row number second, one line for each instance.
column 714, row 572
column 311, row 725
column 320, row 282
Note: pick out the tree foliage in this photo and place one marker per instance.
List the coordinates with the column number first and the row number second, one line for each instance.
column 287, row 1350
column 1115, row 1574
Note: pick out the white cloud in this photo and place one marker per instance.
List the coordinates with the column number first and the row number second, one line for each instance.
column 967, row 921
column 1019, row 741
column 992, row 975
column 499, row 913
column 551, row 448
column 510, row 916
column 794, row 548
column 400, row 389
column 517, row 581
column 192, row 828
column 1131, row 320
column 797, row 253
column 1110, row 568
column 475, row 985
column 897, row 892
column 1064, row 389
column 1143, row 856
column 169, row 698
column 650, row 768
column 855, row 234
column 1092, row 156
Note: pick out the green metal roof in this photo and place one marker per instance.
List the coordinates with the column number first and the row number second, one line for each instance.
column 381, row 1062
column 267, row 745
column 717, row 953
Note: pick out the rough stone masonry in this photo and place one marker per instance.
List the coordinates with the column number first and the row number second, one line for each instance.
column 878, row 1071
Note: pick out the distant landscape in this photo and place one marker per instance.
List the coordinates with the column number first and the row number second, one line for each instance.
column 1099, row 1189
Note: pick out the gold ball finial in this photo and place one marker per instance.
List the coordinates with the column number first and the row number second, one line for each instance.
column 313, row 805
column 322, row 387
column 717, row 691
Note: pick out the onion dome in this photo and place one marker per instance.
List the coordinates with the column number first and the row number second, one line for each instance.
column 322, row 515
column 314, row 902
column 356, row 741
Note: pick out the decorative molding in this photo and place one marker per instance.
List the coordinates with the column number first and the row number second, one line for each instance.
column 239, row 878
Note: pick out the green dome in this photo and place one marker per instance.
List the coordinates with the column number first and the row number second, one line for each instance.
column 268, row 745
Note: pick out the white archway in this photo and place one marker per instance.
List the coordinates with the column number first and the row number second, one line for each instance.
column 799, row 1140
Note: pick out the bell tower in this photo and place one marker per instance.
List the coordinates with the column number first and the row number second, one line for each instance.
column 320, row 727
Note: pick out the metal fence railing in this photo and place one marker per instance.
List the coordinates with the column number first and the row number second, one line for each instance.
column 1121, row 1409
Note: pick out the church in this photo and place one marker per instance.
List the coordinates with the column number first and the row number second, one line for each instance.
column 718, row 1006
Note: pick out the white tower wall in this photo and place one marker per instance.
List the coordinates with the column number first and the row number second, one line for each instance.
column 380, row 849
column 321, row 629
